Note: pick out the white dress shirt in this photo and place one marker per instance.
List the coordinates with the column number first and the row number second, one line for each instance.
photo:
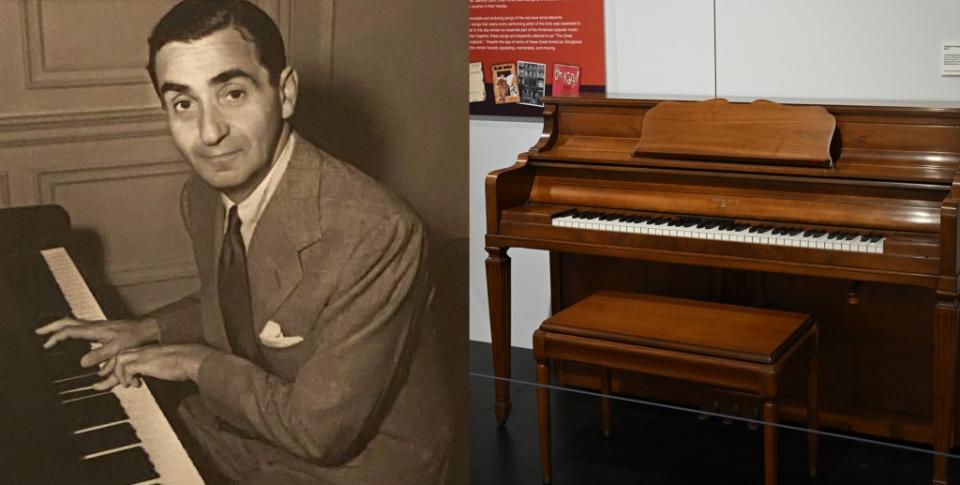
column 251, row 209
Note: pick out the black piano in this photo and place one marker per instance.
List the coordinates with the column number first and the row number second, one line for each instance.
column 53, row 427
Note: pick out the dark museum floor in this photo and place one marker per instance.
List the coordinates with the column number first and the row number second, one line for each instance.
column 654, row 446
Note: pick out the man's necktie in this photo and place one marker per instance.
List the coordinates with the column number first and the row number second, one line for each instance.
column 234, row 289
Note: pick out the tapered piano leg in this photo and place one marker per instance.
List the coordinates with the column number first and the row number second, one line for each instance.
column 498, row 299
column 945, row 336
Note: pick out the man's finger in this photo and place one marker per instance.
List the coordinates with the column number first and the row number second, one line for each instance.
column 106, row 384
column 108, row 367
column 57, row 325
column 97, row 356
column 85, row 332
column 121, row 371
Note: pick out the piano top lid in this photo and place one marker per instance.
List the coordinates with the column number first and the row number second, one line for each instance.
column 950, row 108
column 762, row 132
column 875, row 143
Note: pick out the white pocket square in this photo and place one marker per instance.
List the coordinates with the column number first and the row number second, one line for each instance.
column 272, row 336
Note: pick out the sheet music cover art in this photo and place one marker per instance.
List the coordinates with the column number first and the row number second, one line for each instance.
column 566, row 80
column 478, row 92
column 505, row 88
column 533, row 82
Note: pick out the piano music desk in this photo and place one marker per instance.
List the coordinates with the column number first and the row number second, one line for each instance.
column 727, row 346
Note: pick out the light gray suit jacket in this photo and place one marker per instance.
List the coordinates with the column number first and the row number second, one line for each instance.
column 337, row 260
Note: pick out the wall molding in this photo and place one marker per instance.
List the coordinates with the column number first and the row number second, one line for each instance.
column 64, row 119
column 48, row 181
column 77, row 126
column 40, row 77
column 4, row 189
column 166, row 271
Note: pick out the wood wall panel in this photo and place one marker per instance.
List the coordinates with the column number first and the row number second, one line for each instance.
column 95, row 42
column 133, row 214
column 76, row 57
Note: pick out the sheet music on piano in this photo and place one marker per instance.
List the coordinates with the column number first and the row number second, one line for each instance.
column 157, row 437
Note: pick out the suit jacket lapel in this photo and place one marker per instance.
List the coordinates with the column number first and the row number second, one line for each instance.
column 207, row 221
column 290, row 223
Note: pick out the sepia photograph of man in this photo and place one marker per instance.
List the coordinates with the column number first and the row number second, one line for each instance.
column 310, row 340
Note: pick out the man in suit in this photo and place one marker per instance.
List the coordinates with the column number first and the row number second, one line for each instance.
column 306, row 339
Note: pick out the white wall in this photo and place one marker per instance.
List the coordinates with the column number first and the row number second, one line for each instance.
column 816, row 50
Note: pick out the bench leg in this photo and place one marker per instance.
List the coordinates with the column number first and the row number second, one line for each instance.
column 770, row 416
column 813, row 417
column 605, row 402
column 543, row 413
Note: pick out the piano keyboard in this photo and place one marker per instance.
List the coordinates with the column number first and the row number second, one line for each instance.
column 123, row 434
column 720, row 229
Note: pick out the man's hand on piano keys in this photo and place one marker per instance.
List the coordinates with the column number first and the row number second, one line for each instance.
column 178, row 362
column 114, row 336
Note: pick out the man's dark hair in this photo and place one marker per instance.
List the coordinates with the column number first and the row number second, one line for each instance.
column 192, row 20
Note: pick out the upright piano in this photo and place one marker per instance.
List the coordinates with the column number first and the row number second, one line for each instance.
column 54, row 428
column 846, row 212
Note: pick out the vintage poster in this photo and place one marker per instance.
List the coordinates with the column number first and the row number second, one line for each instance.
column 477, row 92
column 545, row 32
column 533, row 82
column 505, row 83
column 566, row 80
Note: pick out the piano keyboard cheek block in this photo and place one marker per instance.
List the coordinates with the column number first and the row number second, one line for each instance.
column 845, row 193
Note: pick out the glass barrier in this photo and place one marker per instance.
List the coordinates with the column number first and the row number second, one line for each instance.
column 669, row 432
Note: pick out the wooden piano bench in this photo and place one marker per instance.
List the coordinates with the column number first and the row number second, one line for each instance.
column 727, row 346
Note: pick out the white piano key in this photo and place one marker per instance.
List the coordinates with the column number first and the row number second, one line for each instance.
column 799, row 240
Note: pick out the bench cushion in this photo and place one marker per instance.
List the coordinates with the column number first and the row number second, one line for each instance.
column 706, row 328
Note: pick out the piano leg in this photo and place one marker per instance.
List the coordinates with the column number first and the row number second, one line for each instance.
column 498, row 298
column 945, row 334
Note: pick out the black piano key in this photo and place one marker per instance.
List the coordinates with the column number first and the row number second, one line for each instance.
column 78, row 382
column 104, row 439
column 121, row 468
column 711, row 225
column 80, row 394
column 659, row 221
column 93, row 411
column 777, row 231
column 795, row 231
column 764, row 229
column 833, row 235
column 726, row 226
column 876, row 238
column 851, row 236
column 62, row 364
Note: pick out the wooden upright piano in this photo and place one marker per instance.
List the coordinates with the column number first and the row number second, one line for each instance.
column 845, row 212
